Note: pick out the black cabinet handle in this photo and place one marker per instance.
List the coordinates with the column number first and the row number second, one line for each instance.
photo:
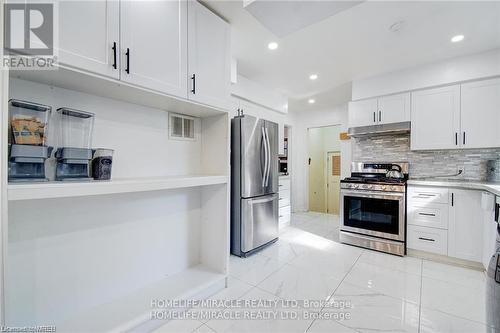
column 452, row 199
column 114, row 55
column 464, row 138
column 374, row 119
column 456, row 139
column 497, row 211
column 379, row 116
column 427, row 214
column 127, row 69
column 427, row 239
column 193, row 77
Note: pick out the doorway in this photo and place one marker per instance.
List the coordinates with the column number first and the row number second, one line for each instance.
column 324, row 164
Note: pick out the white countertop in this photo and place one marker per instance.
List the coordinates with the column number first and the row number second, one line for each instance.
column 493, row 188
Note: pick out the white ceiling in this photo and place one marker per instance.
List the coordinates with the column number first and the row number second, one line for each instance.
column 357, row 43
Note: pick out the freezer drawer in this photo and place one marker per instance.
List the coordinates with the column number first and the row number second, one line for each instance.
column 259, row 221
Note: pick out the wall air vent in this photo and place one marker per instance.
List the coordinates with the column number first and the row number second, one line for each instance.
column 181, row 127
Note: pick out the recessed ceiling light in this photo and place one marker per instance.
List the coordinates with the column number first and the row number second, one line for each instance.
column 311, row 101
column 457, row 38
column 313, row 76
column 272, row 46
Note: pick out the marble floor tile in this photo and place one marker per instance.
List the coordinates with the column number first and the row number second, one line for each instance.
column 371, row 311
column 387, row 281
column 253, row 269
column 463, row 276
column 433, row 321
column 404, row 264
column 293, row 283
column 263, row 319
column 454, row 299
column 328, row 326
column 179, row 326
column 282, row 250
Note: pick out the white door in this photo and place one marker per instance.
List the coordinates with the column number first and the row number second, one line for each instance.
column 363, row 113
column 154, row 45
column 480, row 114
column 465, row 227
column 209, row 57
column 89, row 36
column 435, row 118
column 394, row 108
column 333, row 183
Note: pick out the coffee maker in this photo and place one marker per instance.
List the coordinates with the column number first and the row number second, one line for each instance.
column 75, row 153
column 27, row 140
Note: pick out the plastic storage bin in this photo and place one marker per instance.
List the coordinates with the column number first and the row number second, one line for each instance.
column 29, row 122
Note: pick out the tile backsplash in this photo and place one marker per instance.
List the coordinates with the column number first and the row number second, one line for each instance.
column 392, row 148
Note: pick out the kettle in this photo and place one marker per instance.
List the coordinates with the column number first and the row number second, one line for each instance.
column 395, row 172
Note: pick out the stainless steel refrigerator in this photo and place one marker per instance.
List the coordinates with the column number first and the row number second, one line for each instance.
column 254, row 184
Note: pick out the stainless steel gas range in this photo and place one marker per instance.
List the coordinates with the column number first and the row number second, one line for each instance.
column 373, row 207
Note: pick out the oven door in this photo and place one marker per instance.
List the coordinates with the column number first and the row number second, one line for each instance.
column 379, row 214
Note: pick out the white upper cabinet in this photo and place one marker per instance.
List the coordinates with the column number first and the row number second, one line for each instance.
column 154, row 45
column 89, row 36
column 480, row 114
column 378, row 111
column 435, row 118
column 394, row 108
column 209, row 57
column 363, row 113
column 465, row 229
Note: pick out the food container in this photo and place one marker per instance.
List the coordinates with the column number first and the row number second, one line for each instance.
column 28, row 122
column 102, row 163
column 493, row 170
column 76, row 128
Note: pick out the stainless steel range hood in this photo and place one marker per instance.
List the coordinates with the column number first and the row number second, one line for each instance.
column 383, row 129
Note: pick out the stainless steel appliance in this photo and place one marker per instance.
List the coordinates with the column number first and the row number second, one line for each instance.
column 254, row 184
column 493, row 279
column 373, row 207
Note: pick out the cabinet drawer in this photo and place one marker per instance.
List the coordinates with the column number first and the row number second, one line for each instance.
column 285, row 211
column 284, row 202
column 283, row 184
column 428, row 239
column 285, row 194
column 284, row 219
column 428, row 214
column 427, row 194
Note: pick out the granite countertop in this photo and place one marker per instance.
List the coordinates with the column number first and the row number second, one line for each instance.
column 491, row 187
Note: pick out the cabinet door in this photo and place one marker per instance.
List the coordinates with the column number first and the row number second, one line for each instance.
column 90, row 46
column 363, row 113
column 435, row 118
column 154, row 45
column 465, row 226
column 209, row 57
column 394, row 108
column 480, row 114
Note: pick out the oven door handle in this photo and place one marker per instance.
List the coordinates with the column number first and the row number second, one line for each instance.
column 372, row 194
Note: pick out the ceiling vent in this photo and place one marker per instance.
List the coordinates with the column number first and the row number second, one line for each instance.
column 285, row 17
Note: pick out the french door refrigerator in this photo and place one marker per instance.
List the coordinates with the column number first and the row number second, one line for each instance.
column 254, row 184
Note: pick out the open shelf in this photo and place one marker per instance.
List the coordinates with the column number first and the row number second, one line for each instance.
column 48, row 190
column 135, row 309
column 78, row 80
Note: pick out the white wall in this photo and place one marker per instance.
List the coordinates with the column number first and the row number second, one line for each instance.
column 300, row 122
column 476, row 66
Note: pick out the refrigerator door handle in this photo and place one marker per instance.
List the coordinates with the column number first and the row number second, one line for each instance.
column 259, row 201
column 269, row 157
column 266, row 161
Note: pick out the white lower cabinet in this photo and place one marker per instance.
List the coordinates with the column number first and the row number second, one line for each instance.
column 284, row 201
column 465, row 231
column 428, row 239
column 445, row 221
